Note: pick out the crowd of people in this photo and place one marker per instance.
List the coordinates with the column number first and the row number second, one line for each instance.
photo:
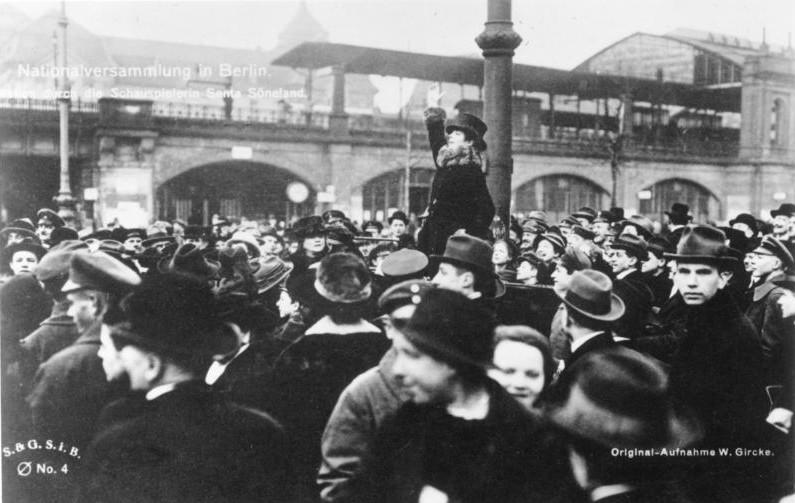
column 597, row 358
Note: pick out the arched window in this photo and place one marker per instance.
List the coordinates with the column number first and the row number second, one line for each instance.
column 384, row 194
column 559, row 196
column 703, row 204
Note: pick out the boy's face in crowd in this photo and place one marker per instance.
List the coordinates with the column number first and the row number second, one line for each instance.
column 23, row 262
column 397, row 227
column 619, row 260
column 451, row 277
column 698, row 282
column 424, row 378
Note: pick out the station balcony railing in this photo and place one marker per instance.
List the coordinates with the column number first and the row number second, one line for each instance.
column 586, row 143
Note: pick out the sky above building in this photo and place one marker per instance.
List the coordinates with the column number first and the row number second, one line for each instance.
column 556, row 33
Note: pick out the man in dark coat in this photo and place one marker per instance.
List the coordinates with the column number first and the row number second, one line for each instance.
column 626, row 255
column 459, row 196
column 716, row 370
column 59, row 329
column 461, row 437
column 590, row 308
column 70, row 388
column 771, row 262
column 181, row 442
column 615, row 400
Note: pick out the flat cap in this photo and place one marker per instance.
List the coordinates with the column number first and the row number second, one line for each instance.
column 55, row 263
column 404, row 293
column 404, row 262
column 773, row 246
column 99, row 271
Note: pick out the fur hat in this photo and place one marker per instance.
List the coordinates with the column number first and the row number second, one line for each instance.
column 343, row 278
column 308, row 227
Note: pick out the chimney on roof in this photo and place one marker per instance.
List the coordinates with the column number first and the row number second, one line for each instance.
column 764, row 46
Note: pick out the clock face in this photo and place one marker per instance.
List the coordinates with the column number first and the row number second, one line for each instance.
column 297, row 192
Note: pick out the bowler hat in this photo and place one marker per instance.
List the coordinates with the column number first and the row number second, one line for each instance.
column 308, row 227
column 452, row 328
column 269, row 272
column 99, row 271
column 619, row 398
column 189, row 259
column 343, row 278
column 785, row 209
column 773, row 246
column 635, row 246
column 590, row 293
column 617, row 213
column 679, row 214
column 659, row 246
column 55, row 264
column 702, row 243
column 403, row 293
column 470, row 124
column 604, row 216
column 174, row 314
column 747, row 219
column 48, row 214
column 404, row 262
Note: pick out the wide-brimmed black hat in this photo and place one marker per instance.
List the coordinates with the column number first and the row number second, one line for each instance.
column 175, row 314
column 189, row 259
column 679, row 214
column 471, row 125
column 590, row 293
column 702, row 243
column 451, row 327
column 785, row 209
column 619, row 398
